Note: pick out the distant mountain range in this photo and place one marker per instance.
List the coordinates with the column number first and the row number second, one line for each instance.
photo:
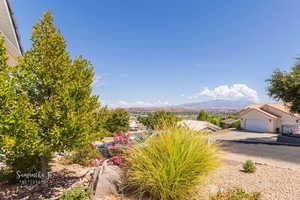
column 207, row 105
column 233, row 104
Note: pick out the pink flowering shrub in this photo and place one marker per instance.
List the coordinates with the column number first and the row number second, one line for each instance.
column 97, row 162
column 121, row 137
column 117, row 160
column 114, row 150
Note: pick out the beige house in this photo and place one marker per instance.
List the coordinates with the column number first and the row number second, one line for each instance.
column 272, row 117
column 8, row 30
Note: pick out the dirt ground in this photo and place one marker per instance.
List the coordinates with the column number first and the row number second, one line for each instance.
column 61, row 178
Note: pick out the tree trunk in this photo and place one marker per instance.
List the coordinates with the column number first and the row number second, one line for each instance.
column 44, row 167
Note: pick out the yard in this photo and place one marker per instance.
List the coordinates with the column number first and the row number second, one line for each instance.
column 274, row 183
column 277, row 179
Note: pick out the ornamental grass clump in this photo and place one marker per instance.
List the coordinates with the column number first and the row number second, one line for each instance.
column 171, row 165
column 236, row 194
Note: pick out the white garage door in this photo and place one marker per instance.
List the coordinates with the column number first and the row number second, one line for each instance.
column 257, row 125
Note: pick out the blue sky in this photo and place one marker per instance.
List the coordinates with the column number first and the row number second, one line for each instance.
column 154, row 52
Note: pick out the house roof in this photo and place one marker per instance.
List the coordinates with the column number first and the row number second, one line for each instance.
column 245, row 111
column 12, row 16
column 283, row 107
column 279, row 106
column 198, row 125
column 8, row 26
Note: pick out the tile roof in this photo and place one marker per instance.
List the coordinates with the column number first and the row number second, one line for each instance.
column 279, row 106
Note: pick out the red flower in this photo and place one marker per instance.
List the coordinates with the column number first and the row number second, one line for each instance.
column 116, row 160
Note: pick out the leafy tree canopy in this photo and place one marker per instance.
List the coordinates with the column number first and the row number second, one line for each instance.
column 285, row 86
column 46, row 100
column 117, row 121
column 159, row 120
column 202, row 116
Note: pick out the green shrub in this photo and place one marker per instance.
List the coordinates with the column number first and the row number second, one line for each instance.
column 117, row 121
column 84, row 156
column 249, row 166
column 232, row 116
column 214, row 119
column 236, row 194
column 159, row 120
column 236, row 125
column 171, row 165
column 76, row 193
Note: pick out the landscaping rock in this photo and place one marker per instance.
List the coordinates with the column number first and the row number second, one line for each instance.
column 106, row 180
column 213, row 189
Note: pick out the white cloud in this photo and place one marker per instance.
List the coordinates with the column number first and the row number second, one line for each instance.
column 122, row 103
column 234, row 92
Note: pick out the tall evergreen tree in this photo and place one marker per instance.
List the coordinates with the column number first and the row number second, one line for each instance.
column 202, row 116
column 60, row 91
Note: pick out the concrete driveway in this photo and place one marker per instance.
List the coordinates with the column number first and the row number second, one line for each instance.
column 246, row 136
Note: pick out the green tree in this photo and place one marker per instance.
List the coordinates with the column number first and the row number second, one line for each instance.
column 101, row 119
column 214, row 119
column 202, row 116
column 143, row 120
column 59, row 90
column 160, row 120
column 232, row 116
column 118, row 121
column 17, row 128
column 285, row 86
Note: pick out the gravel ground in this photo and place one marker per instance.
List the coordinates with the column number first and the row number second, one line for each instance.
column 273, row 183
column 62, row 177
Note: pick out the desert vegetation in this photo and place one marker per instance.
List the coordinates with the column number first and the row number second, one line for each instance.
column 159, row 120
column 236, row 194
column 249, row 166
column 172, row 165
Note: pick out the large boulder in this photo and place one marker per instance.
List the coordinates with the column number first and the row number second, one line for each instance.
column 106, row 180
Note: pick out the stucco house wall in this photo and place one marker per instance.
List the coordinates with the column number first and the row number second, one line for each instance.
column 280, row 119
column 8, row 30
column 285, row 118
column 256, row 115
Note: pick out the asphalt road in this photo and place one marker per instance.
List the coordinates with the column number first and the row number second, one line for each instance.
column 277, row 155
